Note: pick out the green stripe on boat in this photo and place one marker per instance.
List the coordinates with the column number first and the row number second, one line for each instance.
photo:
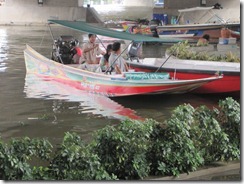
column 144, row 76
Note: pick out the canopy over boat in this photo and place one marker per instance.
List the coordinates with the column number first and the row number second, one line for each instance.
column 88, row 28
column 208, row 10
column 195, row 9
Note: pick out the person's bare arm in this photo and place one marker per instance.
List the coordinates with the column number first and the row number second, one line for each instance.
column 126, row 66
column 101, row 51
column 117, row 69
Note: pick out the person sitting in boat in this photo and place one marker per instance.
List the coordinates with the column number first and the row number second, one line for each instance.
column 155, row 32
column 136, row 30
column 76, row 52
column 204, row 40
column 91, row 50
column 104, row 60
column 116, row 61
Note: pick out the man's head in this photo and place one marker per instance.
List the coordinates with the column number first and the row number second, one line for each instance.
column 92, row 38
column 116, row 46
column 206, row 36
column 109, row 48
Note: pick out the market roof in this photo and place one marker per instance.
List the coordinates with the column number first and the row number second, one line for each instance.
column 88, row 28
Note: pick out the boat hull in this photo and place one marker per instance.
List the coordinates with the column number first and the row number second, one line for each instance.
column 229, row 84
column 196, row 31
column 108, row 85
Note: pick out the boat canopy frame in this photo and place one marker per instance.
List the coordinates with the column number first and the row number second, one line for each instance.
column 209, row 10
column 90, row 28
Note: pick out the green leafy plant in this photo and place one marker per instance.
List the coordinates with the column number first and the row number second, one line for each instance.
column 123, row 149
column 231, row 57
column 173, row 152
column 15, row 157
column 201, row 56
column 131, row 150
column 182, row 51
column 209, row 138
column 75, row 161
column 229, row 117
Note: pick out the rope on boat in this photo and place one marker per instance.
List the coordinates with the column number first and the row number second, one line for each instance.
column 167, row 59
column 43, row 37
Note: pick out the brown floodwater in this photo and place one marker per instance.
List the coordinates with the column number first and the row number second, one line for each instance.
column 35, row 108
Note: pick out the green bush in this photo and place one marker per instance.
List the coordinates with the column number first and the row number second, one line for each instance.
column 123, row 149
column 75, row 161
column 131, row 150
column 182, row 51
column 15, row 157
column 172, row 151
column 208, row 136
column 229, row 117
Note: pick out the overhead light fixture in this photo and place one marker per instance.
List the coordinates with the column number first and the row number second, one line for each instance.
column 203, row 2
column 40, row 2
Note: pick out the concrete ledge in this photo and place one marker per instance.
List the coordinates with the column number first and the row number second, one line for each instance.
column 26, row 15
column 212, row 173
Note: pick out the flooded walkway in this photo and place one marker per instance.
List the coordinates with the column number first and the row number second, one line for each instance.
column 220, row 172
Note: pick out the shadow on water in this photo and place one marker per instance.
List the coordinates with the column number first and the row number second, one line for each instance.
column 160, row 107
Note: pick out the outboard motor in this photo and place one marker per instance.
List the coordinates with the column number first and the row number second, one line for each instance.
column 62, row 49
column 133, row 51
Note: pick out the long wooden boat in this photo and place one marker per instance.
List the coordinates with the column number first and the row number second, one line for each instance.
column 199, row 28
column 147, row 32
column 193, row 69
column 108, row 85
column 195, row 31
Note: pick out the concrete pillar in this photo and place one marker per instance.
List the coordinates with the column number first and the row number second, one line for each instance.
column 80, row 3
column 145, row 3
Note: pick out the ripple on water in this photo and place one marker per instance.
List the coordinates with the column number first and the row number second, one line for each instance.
column 3, row 49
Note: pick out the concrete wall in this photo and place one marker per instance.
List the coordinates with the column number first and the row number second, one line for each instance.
column 29, row 12
column 59, row 3
column 115, row 13
column 19, row 12
column 92, row 16
column 144, row 3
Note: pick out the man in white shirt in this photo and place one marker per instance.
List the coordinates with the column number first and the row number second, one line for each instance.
column 91, row 50
column 116, row 61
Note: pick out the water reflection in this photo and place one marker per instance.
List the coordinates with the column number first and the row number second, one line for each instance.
column 89, row 103
column 3, row 49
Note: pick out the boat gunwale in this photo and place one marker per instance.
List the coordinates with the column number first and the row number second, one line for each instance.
column 140, row 83
column 185, row 70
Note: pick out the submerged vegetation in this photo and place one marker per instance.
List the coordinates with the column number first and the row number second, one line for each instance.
column 182, row 51
column 191, row 138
